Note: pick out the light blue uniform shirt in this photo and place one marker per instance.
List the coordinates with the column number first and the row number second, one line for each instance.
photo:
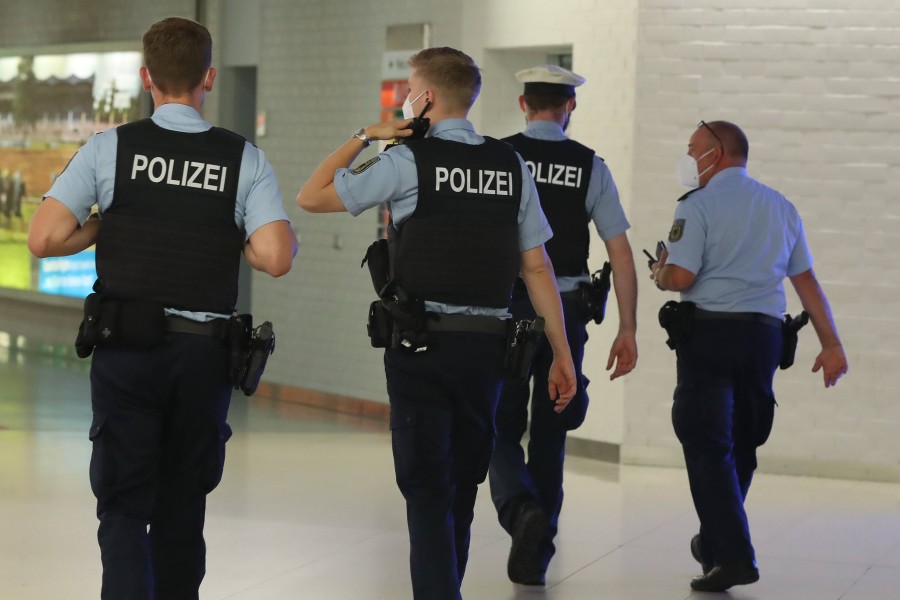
column 90, row 179
column 740, row 239
column 393, row 179
column 602, row 200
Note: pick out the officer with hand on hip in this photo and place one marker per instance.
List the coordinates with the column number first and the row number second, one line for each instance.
column 575, row 188
column 733, row 242
column 465, row 219
column 179, row 201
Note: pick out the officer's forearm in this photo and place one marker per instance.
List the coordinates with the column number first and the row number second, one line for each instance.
column 317, row 194
column 544, row 296
column 54, row 244
column 624, row 280
column 816, row 305
column 674, row 278
column 625, row 286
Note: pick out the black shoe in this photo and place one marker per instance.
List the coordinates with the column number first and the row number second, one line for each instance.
column 529, row 528
column 720, row 578
column 695, row 552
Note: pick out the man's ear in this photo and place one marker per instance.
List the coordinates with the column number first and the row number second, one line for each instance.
column 210, row 78
column 522, row 104
column 145, row 79
column 572, row 103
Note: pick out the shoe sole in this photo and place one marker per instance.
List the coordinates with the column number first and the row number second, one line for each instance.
column 748, row 579
column 523, row 565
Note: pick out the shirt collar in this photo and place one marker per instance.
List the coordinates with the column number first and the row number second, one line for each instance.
column 448, row 124
column 179, row 117
column 547, row 130
column 729, row 173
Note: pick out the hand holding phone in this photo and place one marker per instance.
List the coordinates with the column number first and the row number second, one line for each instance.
column 651, row 260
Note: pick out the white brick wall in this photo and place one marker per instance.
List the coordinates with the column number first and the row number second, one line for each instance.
column 814, row 86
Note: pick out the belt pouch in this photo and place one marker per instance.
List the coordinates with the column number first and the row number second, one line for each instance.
column 380, row 325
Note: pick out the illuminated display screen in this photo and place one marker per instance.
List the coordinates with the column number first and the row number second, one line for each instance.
column 49, row 106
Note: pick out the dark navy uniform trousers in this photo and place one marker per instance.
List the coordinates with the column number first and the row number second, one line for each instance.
column 442, row 425
column 159, row 436
column 723, row 411
column 540, row 479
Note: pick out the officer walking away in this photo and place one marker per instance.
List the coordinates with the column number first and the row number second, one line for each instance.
column 178, row 201
column 465, row 218
column 733, row 242
column 575, row 187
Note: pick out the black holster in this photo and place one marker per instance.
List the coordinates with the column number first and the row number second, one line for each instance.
column 521, row 347
column 396, row 319
column 677, row 318
column 249, row 350
column 789, row 329
column 409, row 329
column 593, row 295
column 260, row 346
column 116, row 323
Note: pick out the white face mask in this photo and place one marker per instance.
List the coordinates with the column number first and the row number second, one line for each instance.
column 408, row 111
column 687, row 171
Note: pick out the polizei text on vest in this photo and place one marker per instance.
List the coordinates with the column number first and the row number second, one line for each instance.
column 565, row 175
column 183, row 173
column 471, row 181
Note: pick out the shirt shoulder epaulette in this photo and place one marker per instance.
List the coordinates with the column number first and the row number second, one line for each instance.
column 684, row 197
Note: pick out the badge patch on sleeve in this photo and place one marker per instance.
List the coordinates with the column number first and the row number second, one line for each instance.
column 365, row 165
column 677, row 230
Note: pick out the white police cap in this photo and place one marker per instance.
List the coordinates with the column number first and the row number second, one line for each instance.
column 549, row 80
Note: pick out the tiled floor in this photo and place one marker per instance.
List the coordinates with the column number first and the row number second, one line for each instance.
column 308, row 509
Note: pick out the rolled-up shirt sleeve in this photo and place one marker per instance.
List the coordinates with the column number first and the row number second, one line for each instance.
column 800, row 259
column 259, row 197
column 388, row 177
column 687, row 238
column 534, row 229
column 76, row 187
column 603, row 203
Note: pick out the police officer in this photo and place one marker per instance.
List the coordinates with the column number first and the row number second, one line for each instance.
column 179, row 201
column 733, row 242
column 575, row 187
column 464, row 219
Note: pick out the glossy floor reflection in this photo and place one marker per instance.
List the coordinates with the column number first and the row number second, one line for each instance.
column 308, row 509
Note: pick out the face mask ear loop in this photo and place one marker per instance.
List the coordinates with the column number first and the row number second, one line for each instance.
column 700, row 174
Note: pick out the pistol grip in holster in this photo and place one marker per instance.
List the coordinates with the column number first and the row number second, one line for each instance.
column 677, row 318
column 789, row 332
column 524, row 338
column 595, row 293
column 260, row 346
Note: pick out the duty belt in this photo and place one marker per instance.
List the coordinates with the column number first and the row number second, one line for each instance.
column 520, row 291
column 753, row 317
column 177, row 324
column 467, row 323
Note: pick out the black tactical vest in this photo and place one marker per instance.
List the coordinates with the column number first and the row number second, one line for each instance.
column 461, row 245
column 170, row 233
column 562, row 172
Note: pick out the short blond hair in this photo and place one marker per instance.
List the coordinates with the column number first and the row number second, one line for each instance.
column 452, row 72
